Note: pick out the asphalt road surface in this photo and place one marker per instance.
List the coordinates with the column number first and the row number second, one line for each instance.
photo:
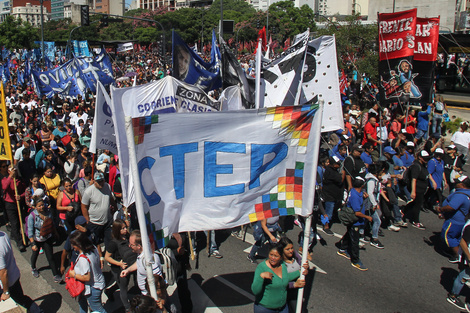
column 411, row 274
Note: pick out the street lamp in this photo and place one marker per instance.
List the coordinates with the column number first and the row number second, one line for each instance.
column 42, row 30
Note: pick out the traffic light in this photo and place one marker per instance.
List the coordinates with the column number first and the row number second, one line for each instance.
column 257, row 24
column 160, row 46
column 104, row 21
column 85, row 15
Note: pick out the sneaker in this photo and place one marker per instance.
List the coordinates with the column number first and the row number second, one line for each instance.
column 454, row 259
column 418, row 226
column 376, row 243
column 359, row 266
column 425, row 210
column 393, row 228
column 35, row 272
column 41, row 251
column 364, row 239
column 329, row 232
column 344, row 254
column 467, row 307
column 236, row 234
column 452, row 299
column 58, row 279
column 252, row 260
column 381, row 233
column 216, row 254
column 401, row 224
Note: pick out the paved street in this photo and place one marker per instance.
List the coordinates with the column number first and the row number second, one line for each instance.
column 410, row 275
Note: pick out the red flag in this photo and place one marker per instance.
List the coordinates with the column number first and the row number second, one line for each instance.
column 286, row 44
column 262, row 36
column 343, row 83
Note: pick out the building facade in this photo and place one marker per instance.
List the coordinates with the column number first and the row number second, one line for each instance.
column 30, row 13
column 5, row 10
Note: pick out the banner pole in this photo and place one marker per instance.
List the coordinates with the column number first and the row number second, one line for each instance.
column 19, row 212
column 258, row 76
column 308, row 221
column 193, row 257
column 139, row 205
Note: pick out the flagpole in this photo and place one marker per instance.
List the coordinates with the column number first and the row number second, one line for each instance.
column 308, row 222
column 258, row 74
column 139, row 204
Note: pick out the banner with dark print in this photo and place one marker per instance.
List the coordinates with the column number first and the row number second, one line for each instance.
column 396, row 49
column 425, row 54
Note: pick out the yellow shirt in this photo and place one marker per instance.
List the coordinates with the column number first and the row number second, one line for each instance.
column 52, row 185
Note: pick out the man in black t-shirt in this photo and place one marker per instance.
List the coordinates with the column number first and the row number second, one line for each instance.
column 354, row 166
column 464, row 276
column 419, row 183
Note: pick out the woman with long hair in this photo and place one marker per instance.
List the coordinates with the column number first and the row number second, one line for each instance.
column 87, row 269
column 120, row 256
column 271, row 281
column 293, row 262
column 65, row 204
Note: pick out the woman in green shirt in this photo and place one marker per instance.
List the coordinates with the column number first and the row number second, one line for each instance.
column 271, row 281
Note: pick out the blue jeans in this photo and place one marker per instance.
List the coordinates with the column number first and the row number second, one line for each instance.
column 421, row 134
column 213, row 244
column 375, row 225
column 329, row 209
column 436, row 124
column 258, row 308
column 93, row 300
column 458, row 284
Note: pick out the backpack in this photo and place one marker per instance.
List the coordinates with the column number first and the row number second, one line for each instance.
column 347, row 216
column 342, row 164
column 406, row 179
column 169, row 265
column 75, row 185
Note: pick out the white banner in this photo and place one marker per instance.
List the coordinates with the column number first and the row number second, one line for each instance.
column 321, row 81
column 102, row 136
column 125, row 47
column 224, row 169
column 167, row 95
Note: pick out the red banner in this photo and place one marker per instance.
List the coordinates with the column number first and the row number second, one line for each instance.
column 397, row 34
column 427, row 39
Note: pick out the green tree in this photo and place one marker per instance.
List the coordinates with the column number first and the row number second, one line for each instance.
column 17, row 34
column 356, row 45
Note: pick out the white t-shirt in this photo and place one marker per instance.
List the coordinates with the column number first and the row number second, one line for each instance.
column 83, row 267
column 461, row 138
column 7, row 260
column 142, row 272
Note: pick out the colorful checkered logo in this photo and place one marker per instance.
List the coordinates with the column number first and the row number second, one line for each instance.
column 142, row 126
column 286, row 196
column 157, row 234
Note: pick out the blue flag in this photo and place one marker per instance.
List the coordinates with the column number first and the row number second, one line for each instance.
column 189, row 67
column 74, row 77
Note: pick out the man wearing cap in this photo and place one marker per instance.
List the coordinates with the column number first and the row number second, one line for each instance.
column 437, row 180
column 408, row 157
column 461, row 139
column 452, row 162
column 455, row 209
column 419, row 183
column 354, row 166
column 19, row 152
column 97, row 201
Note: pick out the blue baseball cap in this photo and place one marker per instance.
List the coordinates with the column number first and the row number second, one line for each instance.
column 99, row 176
column 389, row 150
column 80, row 220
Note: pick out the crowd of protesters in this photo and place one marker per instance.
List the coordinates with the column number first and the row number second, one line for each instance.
column 390, row 163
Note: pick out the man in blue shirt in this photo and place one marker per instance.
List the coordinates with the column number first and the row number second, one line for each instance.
column 366, row 156
column 408, row 158
column 423, row 124
column 455, row 209
column 349, row 244
column 437, row 179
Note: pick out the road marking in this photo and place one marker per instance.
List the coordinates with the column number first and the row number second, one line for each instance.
column 459, row 108
column 251, row 240
column 235, row 287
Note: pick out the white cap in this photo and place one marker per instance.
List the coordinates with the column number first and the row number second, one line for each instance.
column 337, row 160
column 439, row 150
column 410, row 144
